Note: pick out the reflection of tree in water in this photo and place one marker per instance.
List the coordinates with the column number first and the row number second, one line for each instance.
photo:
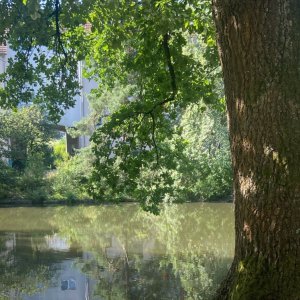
column 23, row 268
column 199, row 245
column 181, row 254
column 117, row 279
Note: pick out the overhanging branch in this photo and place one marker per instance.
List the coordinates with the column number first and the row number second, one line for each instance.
column 169, row 63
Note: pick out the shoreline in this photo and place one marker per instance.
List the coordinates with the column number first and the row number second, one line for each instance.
column 89, row 202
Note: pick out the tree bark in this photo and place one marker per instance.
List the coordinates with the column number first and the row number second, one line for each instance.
column 259, row 47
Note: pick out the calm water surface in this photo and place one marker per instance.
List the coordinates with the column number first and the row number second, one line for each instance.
column 114, row 252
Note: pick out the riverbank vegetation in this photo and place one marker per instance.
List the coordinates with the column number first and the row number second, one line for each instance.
column 25, row 154
column 36, row 167
column 141, row 149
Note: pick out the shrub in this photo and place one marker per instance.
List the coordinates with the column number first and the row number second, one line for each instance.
column 60, row 154
column 32, row 183
column 69, row 180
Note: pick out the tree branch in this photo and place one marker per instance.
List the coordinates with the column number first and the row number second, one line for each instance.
column 58, row 32
column 153, row 138
column 169, row 63
column 172, row 96
column 171, row 70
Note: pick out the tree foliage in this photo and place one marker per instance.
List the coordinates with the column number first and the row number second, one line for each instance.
column 43, row 67
column 145, row 45
column 23, row 133
column 204, row 170
column 162, row 53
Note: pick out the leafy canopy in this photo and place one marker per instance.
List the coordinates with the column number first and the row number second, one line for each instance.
column 145, row 45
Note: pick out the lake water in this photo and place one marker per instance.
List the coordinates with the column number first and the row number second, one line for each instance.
column 114, row 252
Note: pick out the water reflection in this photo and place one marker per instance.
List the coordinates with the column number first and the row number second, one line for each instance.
column 114, row 252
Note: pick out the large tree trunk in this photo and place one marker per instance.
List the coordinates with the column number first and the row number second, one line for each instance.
column 259, row 45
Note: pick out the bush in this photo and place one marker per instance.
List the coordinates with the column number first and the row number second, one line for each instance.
column 32, row 183
column 60, row 154
column 69, row 180
column 29, row 184
column 8, row 180
column 24, row 137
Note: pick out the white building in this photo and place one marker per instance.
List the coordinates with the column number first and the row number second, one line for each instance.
column 81, row 107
